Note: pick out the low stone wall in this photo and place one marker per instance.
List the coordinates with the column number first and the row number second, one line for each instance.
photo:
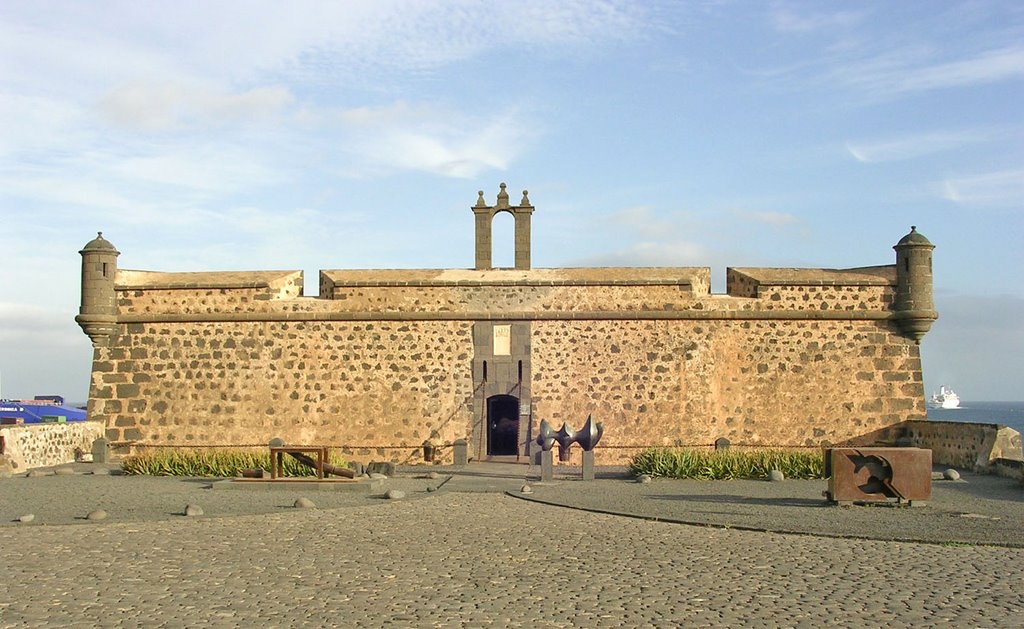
column 1009, row 468
column 960, row 444
column 41, row 445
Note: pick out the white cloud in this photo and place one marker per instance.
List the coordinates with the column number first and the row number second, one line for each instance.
column 163, row 185
column 991, row 66
column 652, row 253
column 777, row 219
column 909, row 70
column 165, row 106
column 909, row 147
column 645, row 221
column 1003, row 188
column 788, row 19
column 238, row 41
column 25, row 324
column 44, row 352
column 205, row 168
column 41, row 123
column 432, row 139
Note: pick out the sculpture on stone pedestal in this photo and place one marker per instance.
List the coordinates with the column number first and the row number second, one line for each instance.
column 587, row 437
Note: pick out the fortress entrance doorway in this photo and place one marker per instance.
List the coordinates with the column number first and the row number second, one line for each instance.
column 501, row 390
column 502, row 425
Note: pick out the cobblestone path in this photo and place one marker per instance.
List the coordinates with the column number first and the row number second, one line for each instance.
column 482, row 560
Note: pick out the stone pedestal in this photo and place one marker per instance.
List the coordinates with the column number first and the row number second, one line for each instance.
column 100, row 451
column 547, row 466
column 460, row 451
column 588, row 465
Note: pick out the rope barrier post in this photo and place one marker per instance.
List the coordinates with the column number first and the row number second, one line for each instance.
column 460, row 452
column 547, row 466
column 100, row 450
column 588, row 465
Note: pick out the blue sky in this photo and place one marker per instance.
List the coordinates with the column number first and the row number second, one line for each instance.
column 248, row 135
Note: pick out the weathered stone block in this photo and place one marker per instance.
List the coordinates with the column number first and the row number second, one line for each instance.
column 127, row 390
column 381, row 467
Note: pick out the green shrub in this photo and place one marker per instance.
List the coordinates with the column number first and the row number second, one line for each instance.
column 212, row 462
column 727, row 464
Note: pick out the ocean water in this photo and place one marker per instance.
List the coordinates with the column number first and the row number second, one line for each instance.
column 1008, row 413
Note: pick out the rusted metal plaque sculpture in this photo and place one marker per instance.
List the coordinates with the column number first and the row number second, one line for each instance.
column 899, row 475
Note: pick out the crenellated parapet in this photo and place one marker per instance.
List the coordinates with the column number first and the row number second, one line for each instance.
column 240, row 292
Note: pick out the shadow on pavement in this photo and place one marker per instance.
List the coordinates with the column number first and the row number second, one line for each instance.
column 746, row 500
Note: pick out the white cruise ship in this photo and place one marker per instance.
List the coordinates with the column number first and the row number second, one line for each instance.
column 946, row 398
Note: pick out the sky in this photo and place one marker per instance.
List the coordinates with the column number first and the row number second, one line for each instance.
column 329, row 135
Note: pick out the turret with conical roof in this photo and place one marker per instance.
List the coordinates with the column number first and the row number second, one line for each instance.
column 98, row 313
column 914, row 304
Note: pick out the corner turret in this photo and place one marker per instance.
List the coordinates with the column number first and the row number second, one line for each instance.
column 914, row 305
column 98, row 313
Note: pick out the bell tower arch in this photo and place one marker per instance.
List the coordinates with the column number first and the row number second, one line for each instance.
column 484, row 217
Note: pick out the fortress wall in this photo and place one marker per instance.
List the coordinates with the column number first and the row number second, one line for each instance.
column 753, row 382
column 399, row 383
column 740, row 285
column 141, row 292
column 191, row 301
column 826, row 297
column 219, row 358
column 42, row 445
column 511, row 298
column 369, row 383
column 976, row 447
column 867, row 288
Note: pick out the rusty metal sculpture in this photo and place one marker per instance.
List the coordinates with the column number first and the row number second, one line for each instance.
column 878, row 474
column 587, row 437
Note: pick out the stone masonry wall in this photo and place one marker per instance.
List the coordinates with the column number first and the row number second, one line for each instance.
column 203, row 359
column 779, row 383
column 959, row 444
column 142, row 292
column 42, row 445
column 363, row 384
column 826, row 297
column 516, row 298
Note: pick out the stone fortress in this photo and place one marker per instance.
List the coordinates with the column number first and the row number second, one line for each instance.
column 385, row 360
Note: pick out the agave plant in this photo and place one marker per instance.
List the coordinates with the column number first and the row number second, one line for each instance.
column 727, row 464
column 211, row 462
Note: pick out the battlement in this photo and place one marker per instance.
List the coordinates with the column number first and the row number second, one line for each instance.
column 142, row 292
column 532, row 294
column 864, row 288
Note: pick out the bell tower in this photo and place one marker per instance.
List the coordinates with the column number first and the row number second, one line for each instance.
column 484, row 215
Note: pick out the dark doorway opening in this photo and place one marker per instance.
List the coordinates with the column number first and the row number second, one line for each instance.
column 502, row 425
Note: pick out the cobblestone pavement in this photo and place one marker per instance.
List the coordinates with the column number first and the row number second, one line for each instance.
column 484, row 559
